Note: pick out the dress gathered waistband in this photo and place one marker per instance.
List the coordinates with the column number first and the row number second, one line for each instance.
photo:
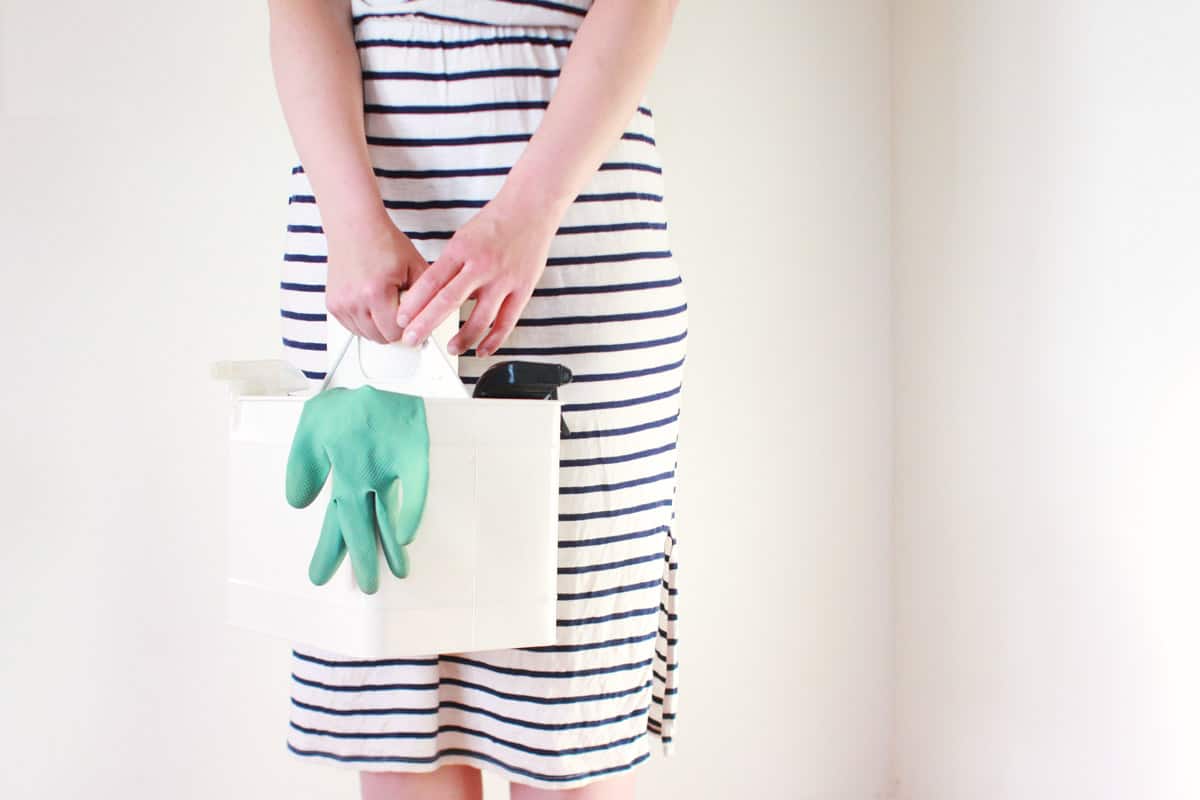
column 491, row 13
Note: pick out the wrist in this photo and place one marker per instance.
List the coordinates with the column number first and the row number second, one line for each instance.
column 370, row 224
column 537, row 201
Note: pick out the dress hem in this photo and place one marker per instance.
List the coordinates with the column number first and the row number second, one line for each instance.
column 458, row 759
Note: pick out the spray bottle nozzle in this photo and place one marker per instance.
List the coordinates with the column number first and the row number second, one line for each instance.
column 528, row 380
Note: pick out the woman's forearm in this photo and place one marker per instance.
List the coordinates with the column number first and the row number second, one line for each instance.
column 605, row 73
column 318, row 76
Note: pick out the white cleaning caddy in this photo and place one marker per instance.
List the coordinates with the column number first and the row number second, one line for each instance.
column 484, row 559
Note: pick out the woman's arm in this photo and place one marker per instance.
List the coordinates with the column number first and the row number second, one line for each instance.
column 498, row 256
column 318, row 77
column 604, row 75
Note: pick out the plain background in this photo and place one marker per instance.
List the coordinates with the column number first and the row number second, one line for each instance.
column 144, row 164
column 1047, row 305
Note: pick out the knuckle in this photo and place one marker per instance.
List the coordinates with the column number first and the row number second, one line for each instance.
column 498, row 295
column 480, row 264
column 508, row 312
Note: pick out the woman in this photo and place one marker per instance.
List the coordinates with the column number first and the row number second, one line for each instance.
column 454, row 159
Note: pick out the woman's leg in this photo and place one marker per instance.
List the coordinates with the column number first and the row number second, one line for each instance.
column 455, row 782
column 618, row 787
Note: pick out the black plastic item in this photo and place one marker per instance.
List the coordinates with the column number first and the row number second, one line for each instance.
column 527, row 380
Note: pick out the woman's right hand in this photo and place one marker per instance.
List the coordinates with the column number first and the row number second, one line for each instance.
column 365, row 274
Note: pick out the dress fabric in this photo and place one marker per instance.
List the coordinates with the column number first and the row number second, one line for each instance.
column 453, row 89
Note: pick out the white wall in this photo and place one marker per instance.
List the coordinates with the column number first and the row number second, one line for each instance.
column 144, row 162
column 773, row 120
column 1048, row 386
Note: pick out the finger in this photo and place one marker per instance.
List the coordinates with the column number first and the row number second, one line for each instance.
column 387, row 506
column 307, row 466
column 330, row 550
column 340, row 313
column 477, row 324
column 362, row 317
column 506, row 320
column 356, row 516
column 383, row 314
column 451, row 296
column 428, row 284
column 416, row 270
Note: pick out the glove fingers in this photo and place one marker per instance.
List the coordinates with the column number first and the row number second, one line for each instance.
column 307, row 468
column 330, row 550
column 356, row 514
column 387, row 504
column 414, row 475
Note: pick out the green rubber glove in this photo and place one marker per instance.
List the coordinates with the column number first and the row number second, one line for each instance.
column 377, row 444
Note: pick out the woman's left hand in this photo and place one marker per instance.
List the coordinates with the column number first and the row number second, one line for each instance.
column 497, row 259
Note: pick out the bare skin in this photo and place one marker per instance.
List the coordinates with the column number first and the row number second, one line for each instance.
column 496, row 258
column 460, row 782
column 456, row 782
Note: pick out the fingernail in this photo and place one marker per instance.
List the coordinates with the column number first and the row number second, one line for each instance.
column 409, row 337
column 402, row 320
column 454, row 348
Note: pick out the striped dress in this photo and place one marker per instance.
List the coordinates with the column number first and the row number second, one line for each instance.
column 453, row 89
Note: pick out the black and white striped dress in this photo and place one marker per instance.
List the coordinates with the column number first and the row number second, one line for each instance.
column 453, row 90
